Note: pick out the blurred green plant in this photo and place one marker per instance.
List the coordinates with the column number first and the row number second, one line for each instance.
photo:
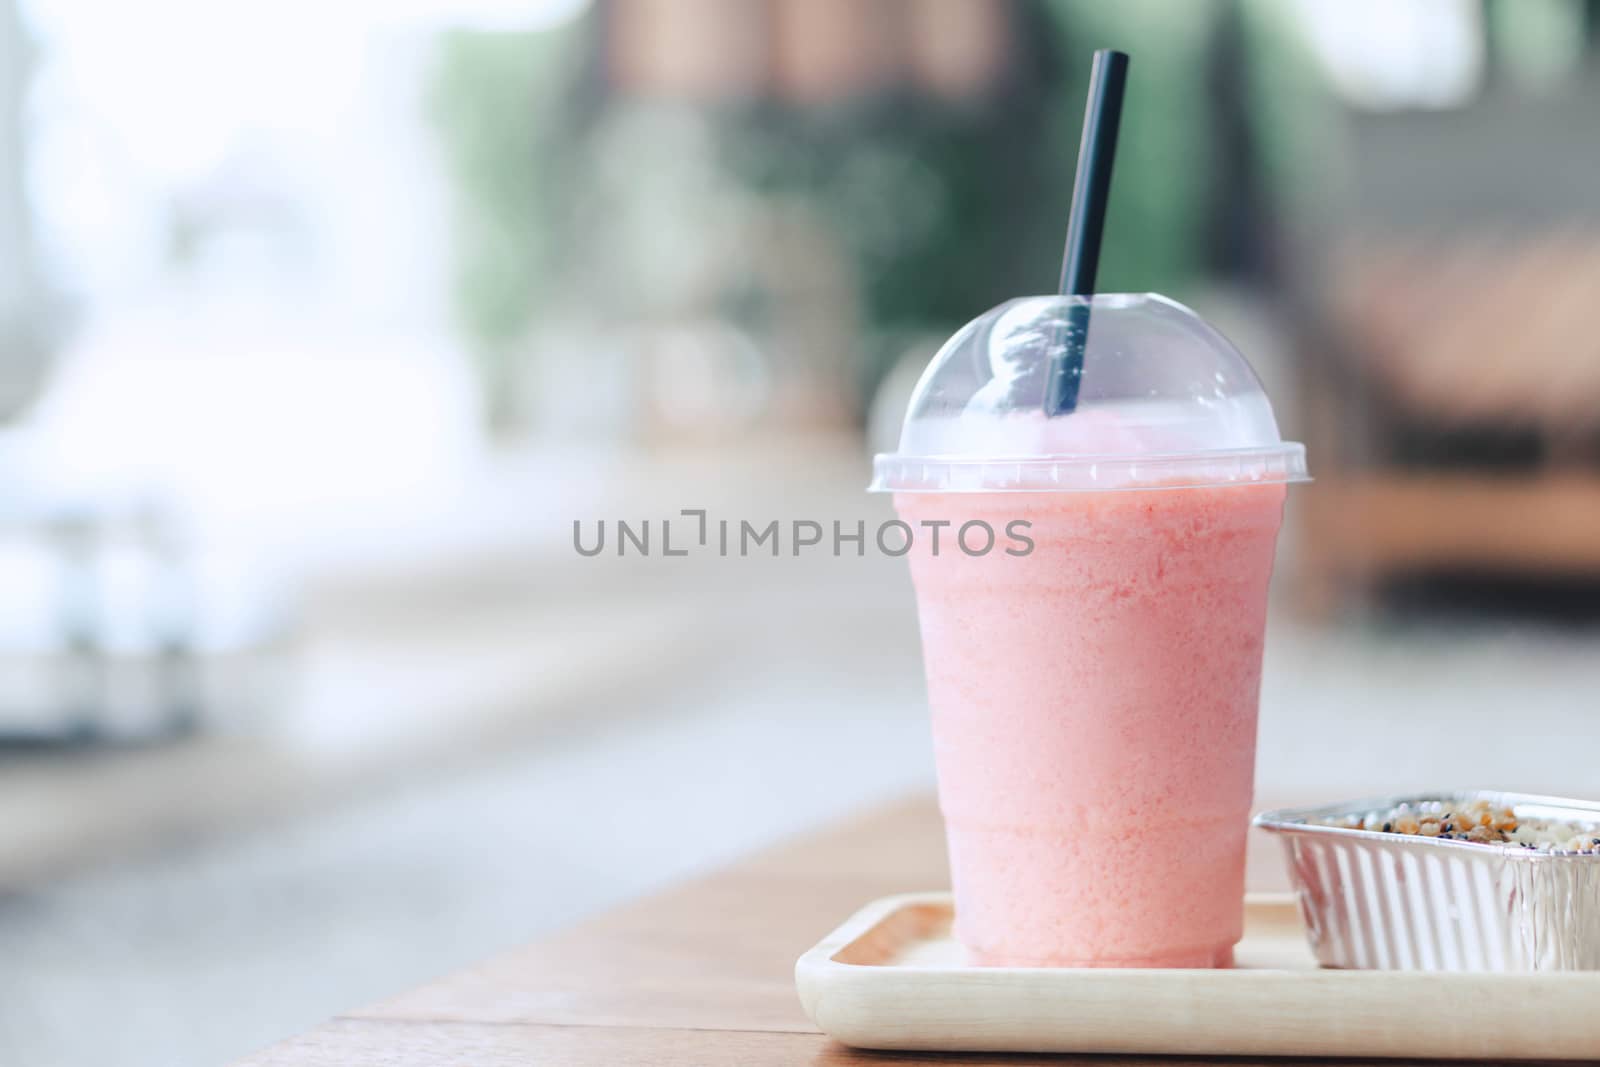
column 502, row 104
column 945, row 207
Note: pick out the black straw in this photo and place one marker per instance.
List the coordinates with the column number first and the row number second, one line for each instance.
column 1091, row 190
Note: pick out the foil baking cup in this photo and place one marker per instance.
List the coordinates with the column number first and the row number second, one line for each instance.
column 1377, row 901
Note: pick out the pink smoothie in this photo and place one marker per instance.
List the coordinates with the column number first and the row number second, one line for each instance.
column 1094, row 718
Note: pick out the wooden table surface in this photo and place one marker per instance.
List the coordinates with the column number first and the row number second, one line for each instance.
column 699, row 976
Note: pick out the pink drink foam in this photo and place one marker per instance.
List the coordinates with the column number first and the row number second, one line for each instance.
column 1094, row 718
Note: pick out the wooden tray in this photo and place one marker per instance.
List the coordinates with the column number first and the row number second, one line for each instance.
column 892, row 977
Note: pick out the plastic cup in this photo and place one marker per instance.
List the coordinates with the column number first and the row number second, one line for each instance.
column 1093, row 676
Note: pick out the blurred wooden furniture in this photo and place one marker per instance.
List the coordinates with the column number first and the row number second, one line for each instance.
column 1360, row 527
column 809, row 51
column 701, row 975
column 1454, row 411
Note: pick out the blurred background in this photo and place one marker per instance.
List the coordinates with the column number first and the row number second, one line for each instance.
column 321, row 324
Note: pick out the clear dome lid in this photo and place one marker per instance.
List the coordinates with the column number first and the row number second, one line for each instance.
column 1163, row 400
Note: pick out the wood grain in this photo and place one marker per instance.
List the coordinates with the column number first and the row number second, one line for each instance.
column 362, row 1043
column 717, row 953
column 1391, row 520
column 700, row 975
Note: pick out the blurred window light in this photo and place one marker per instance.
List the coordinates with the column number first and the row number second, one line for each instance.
column 482, row 16
column 302, row 442
column 132, row 106
column 478, row 16
column 175, row 80
column 16, row 284
column 1538, row 43
column 1388, row 56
